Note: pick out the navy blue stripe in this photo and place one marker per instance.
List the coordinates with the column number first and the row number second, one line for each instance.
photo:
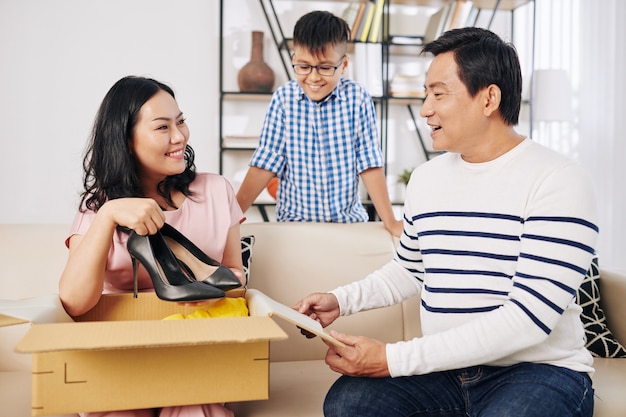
column 459, row 310
column 540, row 297
column 468, row 214
column 412, row 237
column 565, row 220
column 551, row 281
column 567, row 242
column 438, row 290
column 466, row 272
column 406, row 248
column 405, row 259
column 534, row 318
column 553, row 262
column 466, row 233
column 469, row 253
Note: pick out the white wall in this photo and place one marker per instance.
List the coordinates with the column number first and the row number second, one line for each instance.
column 58, row 58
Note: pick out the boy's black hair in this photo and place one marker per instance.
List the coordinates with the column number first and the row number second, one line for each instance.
column 317, row 29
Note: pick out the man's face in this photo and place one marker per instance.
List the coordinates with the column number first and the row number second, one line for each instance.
column 456, row 119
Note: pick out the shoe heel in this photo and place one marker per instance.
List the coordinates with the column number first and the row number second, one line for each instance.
column 135, row 286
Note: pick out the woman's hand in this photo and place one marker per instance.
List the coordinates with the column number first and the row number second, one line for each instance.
column 143, row 215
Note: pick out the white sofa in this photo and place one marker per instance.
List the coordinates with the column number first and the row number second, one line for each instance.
column 289, row 260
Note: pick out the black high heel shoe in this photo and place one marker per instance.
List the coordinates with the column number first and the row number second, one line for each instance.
column 169, row 281
column 197, row 264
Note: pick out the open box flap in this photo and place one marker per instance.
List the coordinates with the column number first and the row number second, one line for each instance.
column 43, row 309
column 9, row 321
column 104, row 335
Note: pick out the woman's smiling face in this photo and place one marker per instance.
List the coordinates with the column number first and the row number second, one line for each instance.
column 160, row 137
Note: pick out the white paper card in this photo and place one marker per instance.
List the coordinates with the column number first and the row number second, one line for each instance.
column 260, row 304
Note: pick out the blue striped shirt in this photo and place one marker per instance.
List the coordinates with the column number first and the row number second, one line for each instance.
column 318, row 150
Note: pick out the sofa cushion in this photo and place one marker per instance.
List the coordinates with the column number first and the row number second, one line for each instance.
column 247, row 243
column 600, row 339
column 294, row 259
column 609, row 381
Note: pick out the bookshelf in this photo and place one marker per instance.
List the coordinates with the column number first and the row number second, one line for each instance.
column 387, row 40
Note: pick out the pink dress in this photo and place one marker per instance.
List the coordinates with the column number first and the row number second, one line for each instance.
column 204, row 218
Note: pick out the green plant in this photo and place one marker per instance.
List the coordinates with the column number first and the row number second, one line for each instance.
column 405, row 175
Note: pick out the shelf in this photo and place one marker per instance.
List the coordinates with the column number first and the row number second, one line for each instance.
column 397, row 115
column 480, row 4
column 239, row 96
column 509, row 5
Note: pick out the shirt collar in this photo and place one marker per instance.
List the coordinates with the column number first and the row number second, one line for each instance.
column 338, row 92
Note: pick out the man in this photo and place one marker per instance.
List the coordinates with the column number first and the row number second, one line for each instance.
column 498, row 234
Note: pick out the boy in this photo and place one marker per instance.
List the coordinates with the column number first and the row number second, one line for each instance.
column 319, row 135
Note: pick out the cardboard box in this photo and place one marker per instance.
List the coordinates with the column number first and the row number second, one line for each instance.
column 122, row 355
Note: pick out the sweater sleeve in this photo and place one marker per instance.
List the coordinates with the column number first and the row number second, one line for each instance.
column 387, row 286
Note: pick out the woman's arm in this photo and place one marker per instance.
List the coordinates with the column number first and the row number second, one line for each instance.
column 82, row 279
column 232, row 253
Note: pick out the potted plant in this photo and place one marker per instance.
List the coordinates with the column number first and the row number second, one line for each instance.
column 405, row 175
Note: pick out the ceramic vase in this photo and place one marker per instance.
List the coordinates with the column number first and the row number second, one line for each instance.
column 256, row 76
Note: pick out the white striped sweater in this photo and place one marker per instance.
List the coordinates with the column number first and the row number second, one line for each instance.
column 497, row 251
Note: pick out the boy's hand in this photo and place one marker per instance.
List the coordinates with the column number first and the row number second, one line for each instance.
column 395, row 227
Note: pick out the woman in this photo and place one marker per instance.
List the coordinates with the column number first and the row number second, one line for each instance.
column 139, row 174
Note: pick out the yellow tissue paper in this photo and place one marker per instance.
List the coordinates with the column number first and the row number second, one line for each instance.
column 225, row 307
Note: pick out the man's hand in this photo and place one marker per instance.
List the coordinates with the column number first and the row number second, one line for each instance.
column 322, row 307
column 362, row 357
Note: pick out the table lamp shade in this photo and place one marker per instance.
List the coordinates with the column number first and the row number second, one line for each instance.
column 552, row 96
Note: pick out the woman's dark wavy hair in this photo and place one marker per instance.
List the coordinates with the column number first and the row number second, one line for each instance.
column 484, row 59
column 110, row 170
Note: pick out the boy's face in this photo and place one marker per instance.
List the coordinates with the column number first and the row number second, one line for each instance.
column 317, row 86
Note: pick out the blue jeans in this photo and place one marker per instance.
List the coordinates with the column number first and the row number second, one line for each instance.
column 522, row 390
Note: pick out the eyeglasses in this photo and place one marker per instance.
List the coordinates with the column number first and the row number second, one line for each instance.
column 323, row 70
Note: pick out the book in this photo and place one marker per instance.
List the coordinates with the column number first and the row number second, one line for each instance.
column 437, row 23
column 460, row 14
column 374, row 69
column 361, row 64
column 260, row 304
column 354, row 29
column 407, row 86
column 375, row 34
column 350, row 12
column 367, row 22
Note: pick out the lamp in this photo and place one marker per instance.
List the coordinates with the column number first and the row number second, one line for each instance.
column 552, row 96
